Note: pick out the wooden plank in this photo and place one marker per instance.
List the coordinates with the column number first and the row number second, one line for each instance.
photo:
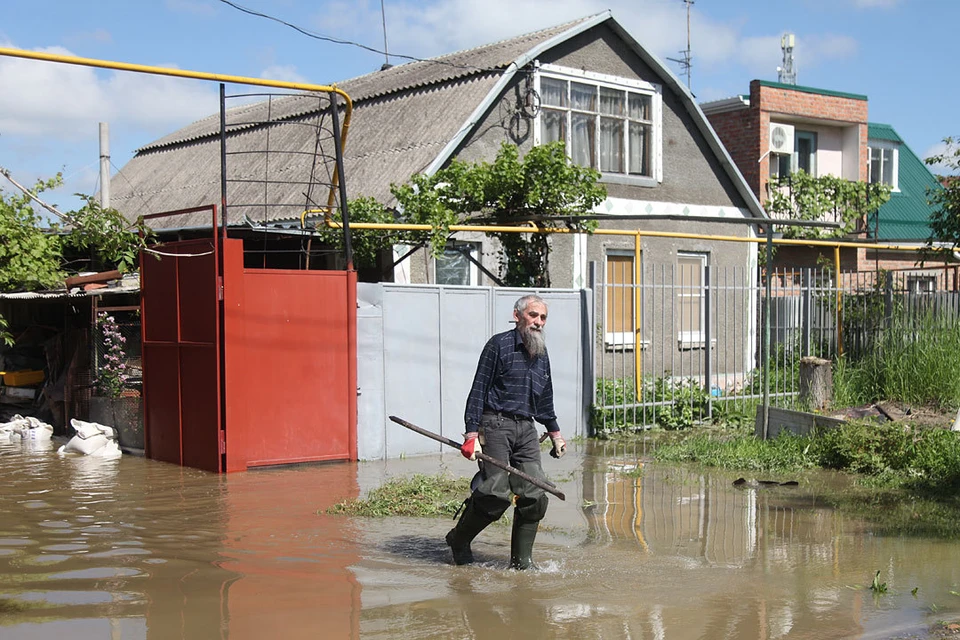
column 797, row 422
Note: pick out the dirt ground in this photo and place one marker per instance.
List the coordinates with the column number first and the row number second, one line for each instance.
column 919, row 416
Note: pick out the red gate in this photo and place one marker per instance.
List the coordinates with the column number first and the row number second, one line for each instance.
column 266, row 375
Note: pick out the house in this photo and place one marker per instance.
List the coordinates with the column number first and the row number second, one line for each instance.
column 781, row 128
column 587, row 82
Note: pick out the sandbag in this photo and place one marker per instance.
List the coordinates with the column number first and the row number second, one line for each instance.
column 90, row 438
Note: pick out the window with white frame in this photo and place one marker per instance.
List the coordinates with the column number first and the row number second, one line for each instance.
column 920, row 285
column 455, row 267
column 884, row 158
column 689, row 285
column 607, row 123
column 618, row 313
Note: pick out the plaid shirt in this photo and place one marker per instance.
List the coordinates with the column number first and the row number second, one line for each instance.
column 508, row 380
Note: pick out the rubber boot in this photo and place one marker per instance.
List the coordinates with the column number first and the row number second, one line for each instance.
column 459, row 538
column 521, row 543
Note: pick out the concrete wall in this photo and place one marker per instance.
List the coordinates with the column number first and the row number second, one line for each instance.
column 417, row 352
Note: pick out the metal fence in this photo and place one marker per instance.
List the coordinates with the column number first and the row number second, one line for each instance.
column 674, row 350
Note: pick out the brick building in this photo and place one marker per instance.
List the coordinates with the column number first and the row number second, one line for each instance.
column 780, row 128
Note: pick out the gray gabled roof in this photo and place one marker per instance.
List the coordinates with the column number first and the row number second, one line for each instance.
column 407, row 119
column 420, row 74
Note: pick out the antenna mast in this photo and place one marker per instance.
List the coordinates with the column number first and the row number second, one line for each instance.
column 386, row 50
column 686, row 59
column 787, row 73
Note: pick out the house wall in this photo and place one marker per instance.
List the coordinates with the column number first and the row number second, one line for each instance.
column 694, row 181
column 795, row 106
column 692, row 175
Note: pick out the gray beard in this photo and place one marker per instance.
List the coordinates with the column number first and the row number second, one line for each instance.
column 533, row 342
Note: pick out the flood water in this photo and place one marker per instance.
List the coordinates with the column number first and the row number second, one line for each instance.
column 133, row 548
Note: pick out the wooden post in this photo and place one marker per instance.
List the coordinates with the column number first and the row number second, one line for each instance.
column 816, row 382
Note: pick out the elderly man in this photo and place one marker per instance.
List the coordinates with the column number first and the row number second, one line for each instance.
column 511, row 389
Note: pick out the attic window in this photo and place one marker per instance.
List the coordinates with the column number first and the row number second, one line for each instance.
column 884, row 158
column 608, row 123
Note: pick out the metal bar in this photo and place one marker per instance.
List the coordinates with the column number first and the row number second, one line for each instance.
column 708, row 334
column 341, row 183
column 544, row 484
column 765, row 345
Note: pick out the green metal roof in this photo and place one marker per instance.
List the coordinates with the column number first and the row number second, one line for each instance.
column 822, row 92
column 905, row 216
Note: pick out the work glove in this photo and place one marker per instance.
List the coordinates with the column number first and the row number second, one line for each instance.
column 471, row 446
column 559, row 444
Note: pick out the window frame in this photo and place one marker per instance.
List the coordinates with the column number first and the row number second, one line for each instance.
column 922, row 284
column 811, row 137
column 603, row 81
column 624, row 340
column 473, row 273
column 690, row 339
column 884, row 145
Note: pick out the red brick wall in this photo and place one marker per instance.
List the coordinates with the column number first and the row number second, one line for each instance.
column 737, row 131
column 790, row 103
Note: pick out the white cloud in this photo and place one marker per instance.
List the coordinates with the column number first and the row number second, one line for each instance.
column 942, row 168
column 66, row 101
column 433, row 28
column 283, row 73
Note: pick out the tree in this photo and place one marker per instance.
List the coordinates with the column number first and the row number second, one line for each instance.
column 539, row 189
column 945, row 219
column 800, row 196
column 32, row 250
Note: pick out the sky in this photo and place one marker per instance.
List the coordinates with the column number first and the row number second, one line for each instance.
column 896, row 52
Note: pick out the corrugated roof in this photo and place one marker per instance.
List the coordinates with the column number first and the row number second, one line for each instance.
column 386, row 145
column 905, row 217
column 407, row 119
column 420, row 74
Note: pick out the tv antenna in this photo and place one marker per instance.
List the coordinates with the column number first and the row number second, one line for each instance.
column 686, row 59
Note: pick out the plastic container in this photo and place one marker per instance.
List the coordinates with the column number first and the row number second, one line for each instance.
column 23, row 378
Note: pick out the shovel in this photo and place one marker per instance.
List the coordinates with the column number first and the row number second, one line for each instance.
column 546, row 485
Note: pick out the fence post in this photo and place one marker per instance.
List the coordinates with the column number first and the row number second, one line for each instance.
column 707, row 364
column 887, row 297
column 806, row 310
column 765, row 345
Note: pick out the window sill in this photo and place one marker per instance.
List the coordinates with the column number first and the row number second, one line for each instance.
column 612, row 344
column 686, row 343
column 635, row 181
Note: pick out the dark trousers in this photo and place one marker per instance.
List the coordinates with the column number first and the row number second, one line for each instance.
column 514, row 442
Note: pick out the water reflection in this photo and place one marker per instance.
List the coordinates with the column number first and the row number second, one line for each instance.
column 140, row 549
column 133, row 548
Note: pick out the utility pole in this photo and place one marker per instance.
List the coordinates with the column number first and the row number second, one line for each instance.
column 104, row 165
column 686, row 59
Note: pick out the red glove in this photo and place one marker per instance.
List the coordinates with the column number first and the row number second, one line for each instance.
column 559, row 444
column 471, row 446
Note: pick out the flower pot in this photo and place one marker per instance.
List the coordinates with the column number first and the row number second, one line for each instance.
column 124, row 414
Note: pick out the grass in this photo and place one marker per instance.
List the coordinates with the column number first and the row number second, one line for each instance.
column 419, row 496
column 913, row 360
column 892, row 455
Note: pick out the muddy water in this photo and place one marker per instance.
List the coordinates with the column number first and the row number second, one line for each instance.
column 139, row 549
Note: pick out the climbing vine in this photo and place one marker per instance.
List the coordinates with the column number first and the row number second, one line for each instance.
column 539, row 191
column 800, row 196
